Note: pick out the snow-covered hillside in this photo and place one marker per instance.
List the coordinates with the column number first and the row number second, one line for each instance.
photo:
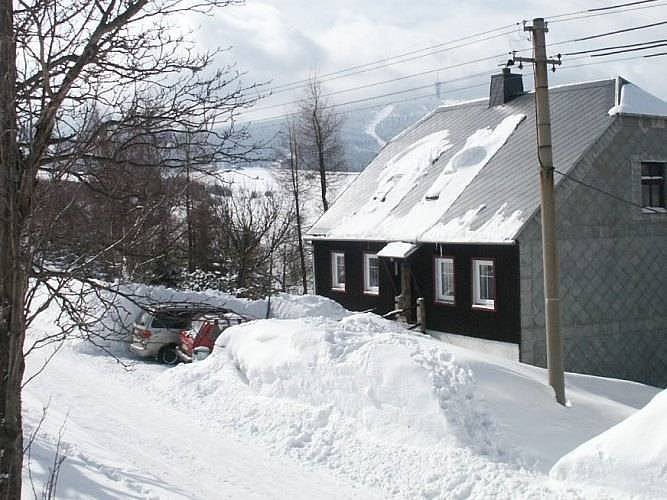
column 318, row 402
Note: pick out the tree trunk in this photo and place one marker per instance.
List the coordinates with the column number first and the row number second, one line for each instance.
column 319, row 140
column 294, row 170
column 13, row 271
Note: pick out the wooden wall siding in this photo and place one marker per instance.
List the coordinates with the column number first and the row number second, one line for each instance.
column 502, row 324
column 354, row 297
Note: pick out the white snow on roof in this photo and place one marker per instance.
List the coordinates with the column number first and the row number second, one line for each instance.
column 397, row 250
column 401, row 171
column 636, row 101
column 466, row 164
column 500, row 227
column 404, row 172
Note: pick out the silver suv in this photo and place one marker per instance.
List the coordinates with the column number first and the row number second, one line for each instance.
column 155, row 333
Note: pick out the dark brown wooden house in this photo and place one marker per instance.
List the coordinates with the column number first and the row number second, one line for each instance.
column 448, row 212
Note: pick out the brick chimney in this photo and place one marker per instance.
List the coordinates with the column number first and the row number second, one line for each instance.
column 505, row 87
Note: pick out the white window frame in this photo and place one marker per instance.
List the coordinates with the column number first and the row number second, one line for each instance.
column 368, row 288
column 440, row 296
column 477, row 301
column 335, row 284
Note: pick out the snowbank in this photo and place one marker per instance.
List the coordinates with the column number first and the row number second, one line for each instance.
column 111, row 310
column 631, row 456
column 349, row 397
column 362, row 396
column 392, row 409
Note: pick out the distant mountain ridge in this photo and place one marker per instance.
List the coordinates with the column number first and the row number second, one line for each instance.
column 364, row 131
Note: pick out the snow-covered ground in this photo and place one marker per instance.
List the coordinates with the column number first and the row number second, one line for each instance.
column 317, row 402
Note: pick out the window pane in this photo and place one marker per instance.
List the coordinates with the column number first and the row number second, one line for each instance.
column 340, row 268
column 373, row 272
column 445, row 279
column 484, row 283
column 646, row 195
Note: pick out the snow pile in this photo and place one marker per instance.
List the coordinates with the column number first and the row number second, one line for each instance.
column 404, row 169
column 631, row 456
column 363, row 397
column 636, row 101
column 500, row 227
column 349, row 405
column 114, row 309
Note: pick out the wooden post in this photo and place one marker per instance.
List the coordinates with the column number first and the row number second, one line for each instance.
column 549, row 244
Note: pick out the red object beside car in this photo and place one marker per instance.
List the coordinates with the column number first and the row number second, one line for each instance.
column 205, row 331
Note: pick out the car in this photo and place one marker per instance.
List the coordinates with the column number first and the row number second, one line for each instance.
column 156, row 330
column 198, row 342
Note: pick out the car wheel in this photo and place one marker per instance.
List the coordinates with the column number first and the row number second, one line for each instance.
column 167, row 355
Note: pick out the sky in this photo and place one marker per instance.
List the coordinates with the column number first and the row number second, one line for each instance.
column 284, row 41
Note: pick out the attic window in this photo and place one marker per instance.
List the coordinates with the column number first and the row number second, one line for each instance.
column 653, row 187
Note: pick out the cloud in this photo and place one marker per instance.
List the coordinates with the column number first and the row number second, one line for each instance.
column 261, row 39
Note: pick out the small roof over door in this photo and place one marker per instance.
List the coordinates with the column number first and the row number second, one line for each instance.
column 397, row 250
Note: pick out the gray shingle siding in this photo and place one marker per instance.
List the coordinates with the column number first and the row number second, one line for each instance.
column 613, row 263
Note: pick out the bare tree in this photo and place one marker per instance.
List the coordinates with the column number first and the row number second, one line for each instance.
column 295, row 185
column 319, row 135
column 59, row 61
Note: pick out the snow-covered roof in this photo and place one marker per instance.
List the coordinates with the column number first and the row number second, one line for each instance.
column 397, row 250
column 467, row 172
column 632, row 100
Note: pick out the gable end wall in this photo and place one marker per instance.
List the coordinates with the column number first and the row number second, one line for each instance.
column 613, row 263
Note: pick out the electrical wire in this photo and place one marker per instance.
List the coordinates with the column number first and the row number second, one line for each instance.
column 616, row 32
column 612, row 47
column 392, row 80
column 629, row 50
column 606, row 193
column 387, row 61
column 587, row 14
column 471, row 39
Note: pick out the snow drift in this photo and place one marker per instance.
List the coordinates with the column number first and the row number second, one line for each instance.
column 631, row 456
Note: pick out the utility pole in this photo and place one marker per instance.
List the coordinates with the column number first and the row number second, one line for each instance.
column 549, row 247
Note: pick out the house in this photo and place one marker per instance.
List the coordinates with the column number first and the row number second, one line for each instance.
column 449, row 212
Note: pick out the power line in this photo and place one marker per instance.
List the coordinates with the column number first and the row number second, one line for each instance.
column 620, row 5
column 616, row 32
column 388, row 60
column 392, row 80
column 606, row 193
column 471, row 39
column 450, row 91
column 588, row 13
column 613, row 47
column 629, row 50
column 372, row 98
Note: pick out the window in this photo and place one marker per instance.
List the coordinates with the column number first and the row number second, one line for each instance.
column 444, row 280
column 371, row 274
column 484, row 284
column 338, row 271
column 653, row 185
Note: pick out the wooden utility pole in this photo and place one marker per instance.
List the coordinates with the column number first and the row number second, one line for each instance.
column 549, row 247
